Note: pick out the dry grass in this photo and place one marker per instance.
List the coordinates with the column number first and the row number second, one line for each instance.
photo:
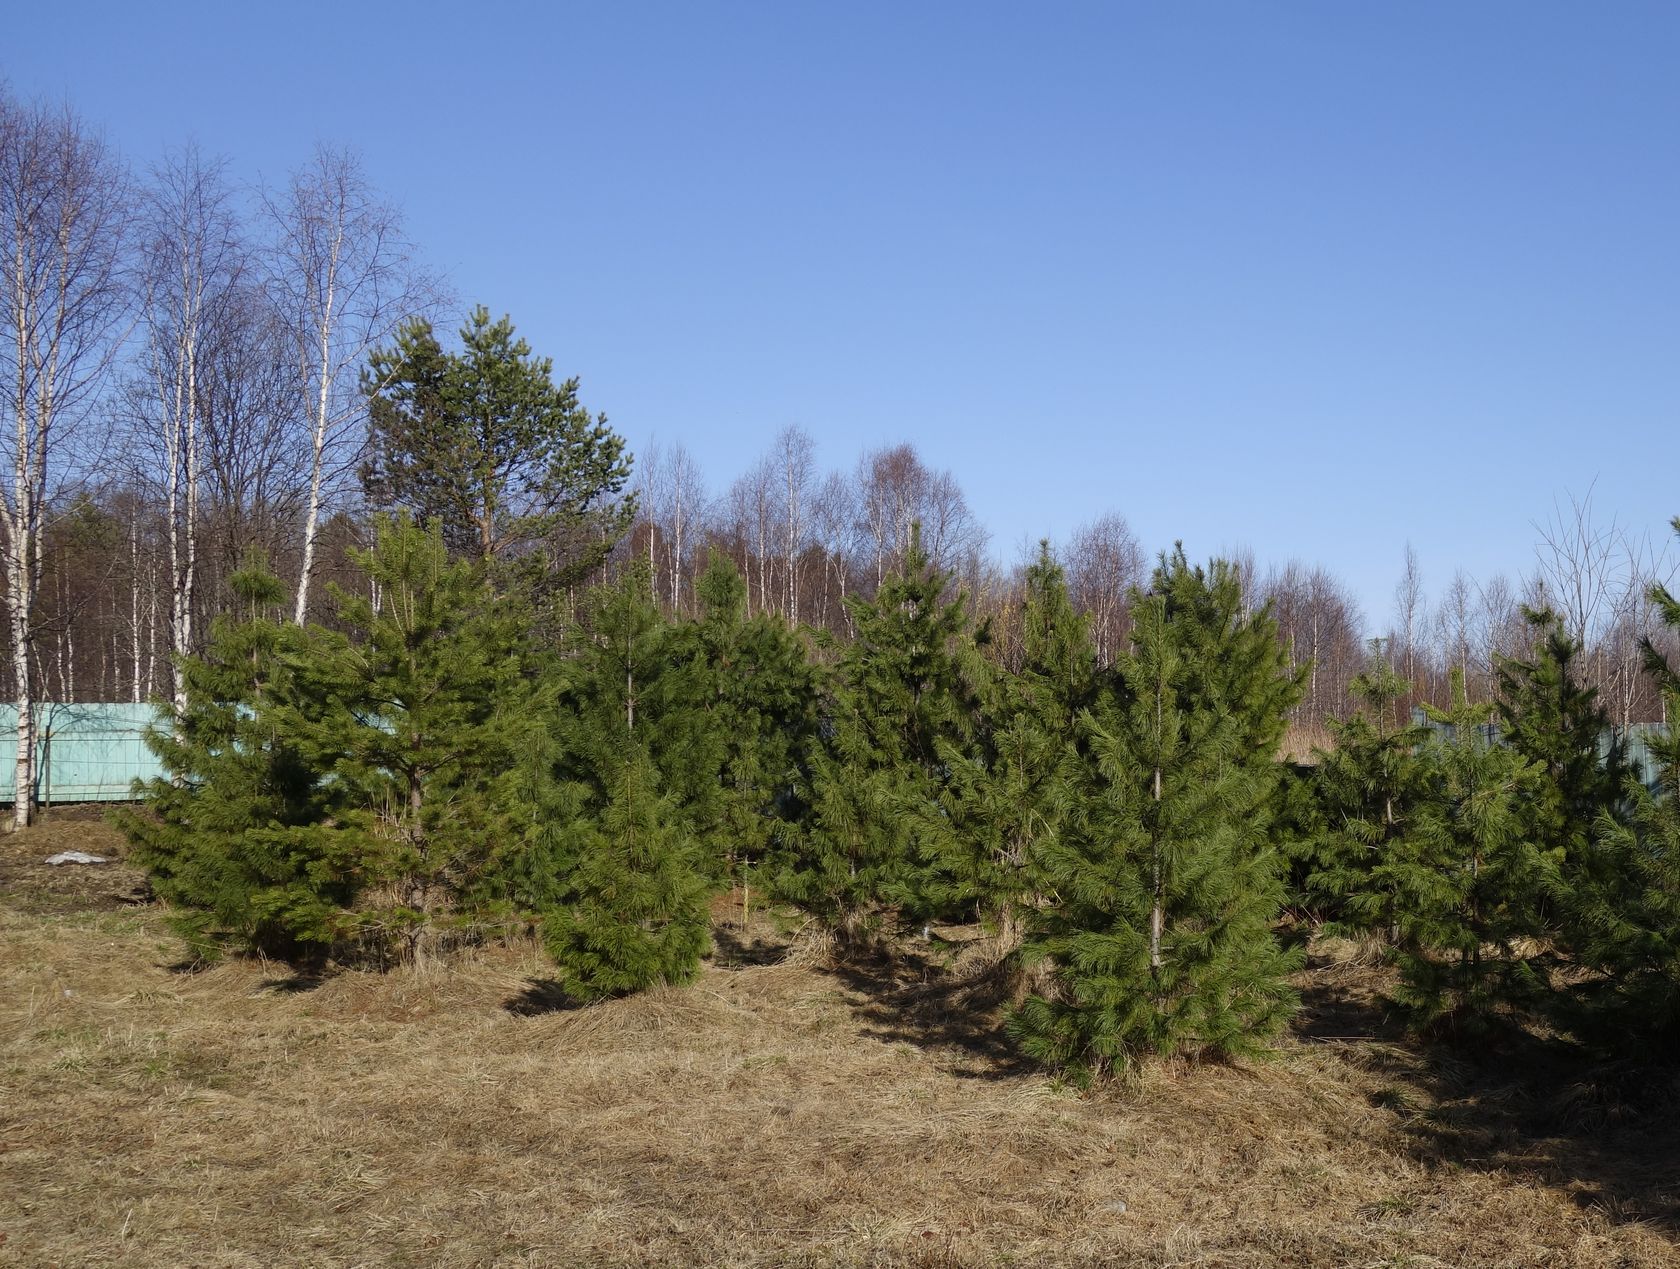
column 1302, row 743
column 772, row 1114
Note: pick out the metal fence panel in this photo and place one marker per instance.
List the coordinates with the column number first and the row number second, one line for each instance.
column 84, row 753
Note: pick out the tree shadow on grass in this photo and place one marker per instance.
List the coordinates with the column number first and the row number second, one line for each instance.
column 735, row 948
column 296, row 983
column 1606, row 1133
column 1509, row 1100
column 907, row 995
column 540, row 996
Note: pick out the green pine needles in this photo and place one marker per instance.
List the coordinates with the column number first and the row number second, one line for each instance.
column 637, row 916
column 230, row 839
column 905, row 693
column 432, row 768
column 1626, row 915
column 1467, row 880
column 1160, row 939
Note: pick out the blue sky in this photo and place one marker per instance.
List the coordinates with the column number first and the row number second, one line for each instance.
column 1314, row 278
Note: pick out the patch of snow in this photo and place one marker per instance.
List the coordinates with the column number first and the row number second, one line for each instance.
column 75, row 857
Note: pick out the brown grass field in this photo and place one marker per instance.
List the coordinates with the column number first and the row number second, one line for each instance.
column 771, row 1114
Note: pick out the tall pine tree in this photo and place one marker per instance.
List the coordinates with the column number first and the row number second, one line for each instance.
column 1161, row 941
column 1010, row 788
column 487, row 444
column 905, row 689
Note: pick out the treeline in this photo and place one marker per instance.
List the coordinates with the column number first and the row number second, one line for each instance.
column 454, row 759
column 195, row 370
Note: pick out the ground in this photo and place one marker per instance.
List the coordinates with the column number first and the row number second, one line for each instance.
column 774, row 1113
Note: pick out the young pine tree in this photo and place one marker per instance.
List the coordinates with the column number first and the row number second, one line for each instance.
column 637, row 913
column 1011, row 788
column 1555, row 721
column 627, row 679
column 1626, row 918
column 1367, row 789
column 905, row 689
column 1467, row 882
column 421, row 709
column 752, row 683
column 1161, row 941
column 635, row 776
column 227, row 836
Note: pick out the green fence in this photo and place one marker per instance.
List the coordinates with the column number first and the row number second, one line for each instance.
column 84, row 753
column 1636, row 742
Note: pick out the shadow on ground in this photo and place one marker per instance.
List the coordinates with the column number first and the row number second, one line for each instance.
column 910, row 996
column 539, row 996
column 1605, row 1133
column 734, row 948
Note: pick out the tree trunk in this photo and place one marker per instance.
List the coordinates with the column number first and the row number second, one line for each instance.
column 318, row 429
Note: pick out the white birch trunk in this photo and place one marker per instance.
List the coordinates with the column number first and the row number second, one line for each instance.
column 319, row 424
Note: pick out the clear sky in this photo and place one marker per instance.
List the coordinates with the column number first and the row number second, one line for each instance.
column 1317, row 278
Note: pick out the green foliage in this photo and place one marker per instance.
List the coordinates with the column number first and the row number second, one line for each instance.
column 1010, row 789
column 905, row 691
column 487, row 444
column 347, row 788
column 1626, row 924
column 421, row 709
column 1466, row 882
column 229, row 838
column 1368, row 788
column 752, row 683
column 637, row 914
column 625, row 680
column 1555, row 722
column 1161, row 939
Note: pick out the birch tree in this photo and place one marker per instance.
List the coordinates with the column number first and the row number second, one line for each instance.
column 190, row 256
column 62, row 301
column 795, row 456
column 1104, row 563
column 342, row 277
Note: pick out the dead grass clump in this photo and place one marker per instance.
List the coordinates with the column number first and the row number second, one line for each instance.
column 38, row 886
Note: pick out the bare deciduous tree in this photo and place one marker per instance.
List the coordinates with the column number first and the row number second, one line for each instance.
column 1411, row 619
column 796, row 461
column 190, row 256
column 63, row 213
column 1104, row 562
column 342, row 279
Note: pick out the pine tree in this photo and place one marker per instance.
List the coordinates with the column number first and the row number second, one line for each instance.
column 1009, row 790
column 752, row 682
column 228, row 837
column 1367, row 788
column 904, row 688
column 617, row 871
column 1626, row 924
column 421, row 710
column 1161, row 941
column 487, row 444
column 637, row 913
column 1555, row 721
column 628, row 678
column 1467, row 882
